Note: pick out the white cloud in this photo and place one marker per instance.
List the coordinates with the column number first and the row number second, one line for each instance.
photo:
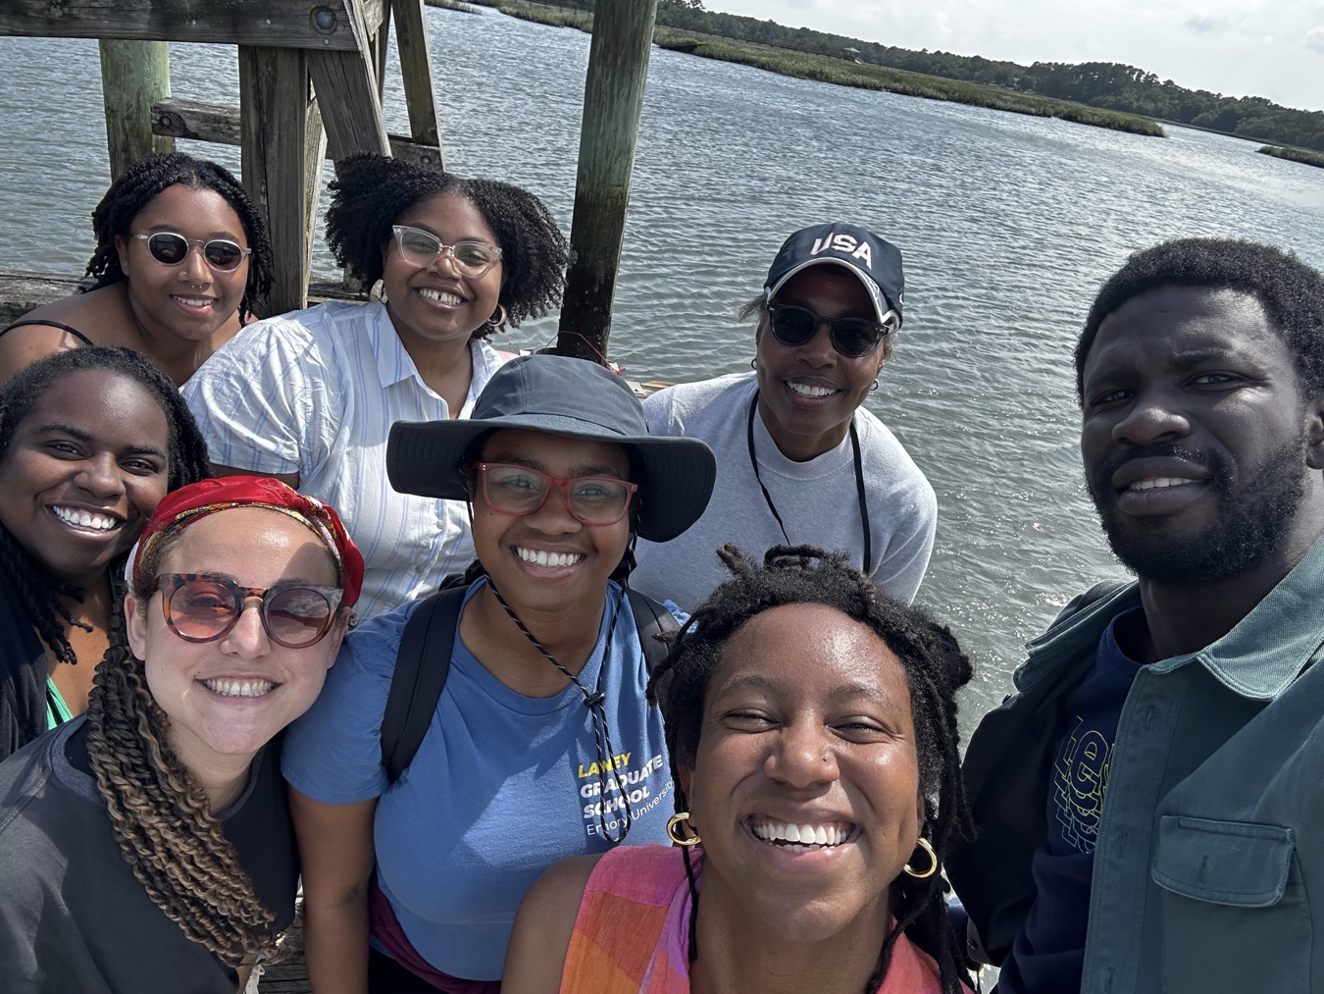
column 1266, row 48
column 1204, row 23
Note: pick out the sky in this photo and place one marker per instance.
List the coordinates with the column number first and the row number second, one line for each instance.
column 1263, row 48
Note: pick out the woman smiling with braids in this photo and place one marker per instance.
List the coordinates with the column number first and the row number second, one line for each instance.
column 147, row 845
column 90, row 441
column 181, row 255
column 811, row 722
column 310, row 396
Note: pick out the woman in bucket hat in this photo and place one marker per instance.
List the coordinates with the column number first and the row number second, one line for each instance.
column 541, row 744
column 801, row 459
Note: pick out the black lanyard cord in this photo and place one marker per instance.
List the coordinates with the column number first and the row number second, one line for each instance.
column 859, row 482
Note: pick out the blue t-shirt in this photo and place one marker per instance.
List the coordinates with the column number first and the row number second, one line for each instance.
column 502, row 786
column 1049, row 953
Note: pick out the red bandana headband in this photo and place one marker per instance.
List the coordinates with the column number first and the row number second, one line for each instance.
column 194, row 502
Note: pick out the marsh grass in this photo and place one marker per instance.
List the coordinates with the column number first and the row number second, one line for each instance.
column 1294, row 154
column 805, row 65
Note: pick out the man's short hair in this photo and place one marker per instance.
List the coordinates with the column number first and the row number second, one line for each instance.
column 1291, row 292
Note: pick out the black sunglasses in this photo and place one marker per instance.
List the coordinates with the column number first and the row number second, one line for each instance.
column 794, row 325
column 171, row 249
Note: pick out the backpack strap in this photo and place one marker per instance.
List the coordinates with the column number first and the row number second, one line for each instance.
column 424, row 662
column 421, row 668
column 652, row 620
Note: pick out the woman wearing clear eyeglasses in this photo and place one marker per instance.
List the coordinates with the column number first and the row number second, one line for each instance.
column 799, row 458
column 146, row 845
column 181, row 255
column 309, row 397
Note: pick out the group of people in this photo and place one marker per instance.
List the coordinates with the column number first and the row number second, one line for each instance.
column 519, row 675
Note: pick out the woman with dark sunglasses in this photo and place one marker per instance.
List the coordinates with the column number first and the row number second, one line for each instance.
column 147, row 845
column 182, row 253
column 800, row 460
column 90, row 441
column 541, row 743
column 310, row 396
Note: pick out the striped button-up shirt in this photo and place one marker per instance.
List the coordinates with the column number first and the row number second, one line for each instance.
column 315, row 392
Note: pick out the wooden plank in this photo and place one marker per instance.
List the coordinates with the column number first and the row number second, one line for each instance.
column 273, row 96
column 314, row 24
column 219, row 123
column 314, row 138
column 411, row 38
column 427, row 156
column 134, row 76
column 353, row 119
column 21, row 291
column 195, row 119
column 613, row 100
column 353, row 115
column 381, row 48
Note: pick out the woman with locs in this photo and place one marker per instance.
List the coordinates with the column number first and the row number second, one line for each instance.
column 90, row 441
column 309, row 397
column 182, row 257
column 811, row 722
column 800, row 459
column 541, row 744
column 147, row 846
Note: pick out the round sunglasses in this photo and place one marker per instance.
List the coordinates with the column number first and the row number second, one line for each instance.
column 520, row 490
column 171, row 249
column 855, row 338
column 422, row 248
column 201, row 608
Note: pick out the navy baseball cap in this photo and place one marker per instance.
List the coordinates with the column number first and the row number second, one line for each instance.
column 559, row 395
column 874, row 261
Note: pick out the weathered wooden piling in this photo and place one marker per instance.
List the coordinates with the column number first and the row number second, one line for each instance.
column 134, row 76
column 613, row 102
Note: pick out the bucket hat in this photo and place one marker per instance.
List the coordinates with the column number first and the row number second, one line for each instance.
column 875, row 262
column 564, row 396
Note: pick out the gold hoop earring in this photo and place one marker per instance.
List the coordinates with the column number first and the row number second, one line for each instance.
column 674, row 822
column 497, row 322
column 922, row 843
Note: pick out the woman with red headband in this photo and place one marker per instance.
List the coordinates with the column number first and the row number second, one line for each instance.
column 147, row 845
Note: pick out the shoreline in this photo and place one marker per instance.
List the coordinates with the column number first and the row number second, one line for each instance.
column 826, row 69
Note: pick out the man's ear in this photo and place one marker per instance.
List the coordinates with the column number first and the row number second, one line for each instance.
column 1315, row 432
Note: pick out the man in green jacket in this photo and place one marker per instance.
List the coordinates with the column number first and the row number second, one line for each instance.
column 1151, row 799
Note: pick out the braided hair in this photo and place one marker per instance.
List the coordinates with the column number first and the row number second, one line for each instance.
column 114, row 215
column 372, row 192
column 159, row 813
column 40, row 592
column 935, row 669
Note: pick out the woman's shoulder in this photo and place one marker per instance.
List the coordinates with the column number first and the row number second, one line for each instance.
column 93, row 318
column 39, row 777
column 678, row 409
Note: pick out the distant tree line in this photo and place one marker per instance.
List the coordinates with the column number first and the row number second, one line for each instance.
column 1100, row 84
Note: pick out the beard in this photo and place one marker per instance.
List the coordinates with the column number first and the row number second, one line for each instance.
column 1251, row 522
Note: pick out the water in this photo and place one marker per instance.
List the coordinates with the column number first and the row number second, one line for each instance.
column 1008, row 225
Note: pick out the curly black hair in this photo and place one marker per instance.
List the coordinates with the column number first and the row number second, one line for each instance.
column 372, row 192
column 935, row 669
column 41, row 593
column 1290, row 291
column 128, row 195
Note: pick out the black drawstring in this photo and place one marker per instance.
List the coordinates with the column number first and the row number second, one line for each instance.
column 594, row 702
